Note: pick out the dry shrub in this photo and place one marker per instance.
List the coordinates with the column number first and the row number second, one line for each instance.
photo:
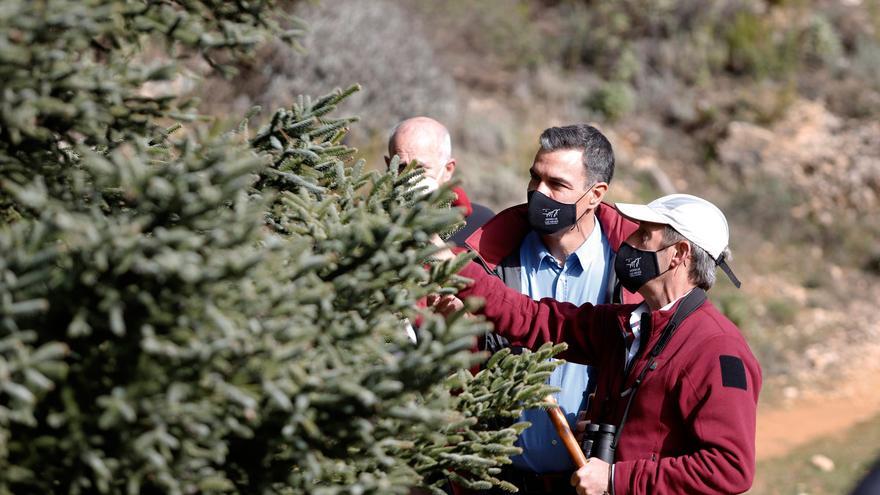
column 377, row 44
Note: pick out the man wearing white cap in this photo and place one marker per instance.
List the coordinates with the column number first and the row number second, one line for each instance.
column 678, row 383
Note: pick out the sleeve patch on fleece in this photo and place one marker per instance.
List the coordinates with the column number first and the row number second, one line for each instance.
column 733, row 372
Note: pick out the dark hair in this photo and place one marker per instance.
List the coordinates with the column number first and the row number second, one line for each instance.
column 598, row 155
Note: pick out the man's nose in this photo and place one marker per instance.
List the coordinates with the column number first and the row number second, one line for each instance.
column 543, row 188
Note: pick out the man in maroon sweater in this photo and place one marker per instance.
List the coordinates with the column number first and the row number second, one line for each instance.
column 677, row 379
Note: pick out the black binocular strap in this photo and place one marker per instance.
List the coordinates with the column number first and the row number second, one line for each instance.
column 690, row 304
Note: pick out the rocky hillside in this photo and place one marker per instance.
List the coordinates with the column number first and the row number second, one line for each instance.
column 768, row 108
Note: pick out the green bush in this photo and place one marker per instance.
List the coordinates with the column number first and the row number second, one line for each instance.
column 821, row 44
column 613, row 100
column 781, row 311
column 757, row 48
column 220, row 310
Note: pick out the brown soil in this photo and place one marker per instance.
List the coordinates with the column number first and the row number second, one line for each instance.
column 800, row 421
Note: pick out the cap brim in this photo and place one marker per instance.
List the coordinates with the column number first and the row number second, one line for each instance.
column 641, row 213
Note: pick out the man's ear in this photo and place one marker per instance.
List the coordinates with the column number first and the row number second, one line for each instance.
column 449, row 169
column 598, row 193
column 682, row 253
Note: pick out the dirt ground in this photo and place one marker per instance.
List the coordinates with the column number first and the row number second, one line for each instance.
column 816, row 414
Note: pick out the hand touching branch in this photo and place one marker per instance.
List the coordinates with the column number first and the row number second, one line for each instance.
column 446, row 252
column 445, row 304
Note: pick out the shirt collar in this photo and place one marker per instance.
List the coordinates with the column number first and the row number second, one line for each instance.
column 642, row 308
column 592, row 245
column 582, row 255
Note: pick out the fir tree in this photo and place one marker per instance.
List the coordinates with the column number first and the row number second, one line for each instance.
column 215, row 310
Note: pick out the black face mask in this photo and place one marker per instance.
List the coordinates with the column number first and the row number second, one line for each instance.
column 635, row 267
column 548, row 216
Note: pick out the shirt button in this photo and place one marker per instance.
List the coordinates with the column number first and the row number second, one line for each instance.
column 553, row 442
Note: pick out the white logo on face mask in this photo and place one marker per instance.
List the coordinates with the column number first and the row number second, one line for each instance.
column 551, row 216
column 633, row 263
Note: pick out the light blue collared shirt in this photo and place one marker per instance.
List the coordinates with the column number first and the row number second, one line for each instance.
column 583, row 278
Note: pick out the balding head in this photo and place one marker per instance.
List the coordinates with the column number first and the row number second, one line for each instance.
column 426, row 141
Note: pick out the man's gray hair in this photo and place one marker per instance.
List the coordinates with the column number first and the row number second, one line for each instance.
column 702, row 270
column 598, row 154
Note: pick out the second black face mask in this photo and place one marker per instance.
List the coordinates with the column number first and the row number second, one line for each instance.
column 548, row 216
column 634, row 267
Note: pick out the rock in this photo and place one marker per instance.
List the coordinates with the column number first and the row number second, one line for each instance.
column 821, row 357
column 745, row 147
column 822, row 462
column 836, row 273
column 660, row 179
column 813, row 150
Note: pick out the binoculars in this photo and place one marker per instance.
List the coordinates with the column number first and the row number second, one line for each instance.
column 598, row 441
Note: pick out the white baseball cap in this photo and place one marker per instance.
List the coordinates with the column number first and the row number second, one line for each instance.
column 698, row 220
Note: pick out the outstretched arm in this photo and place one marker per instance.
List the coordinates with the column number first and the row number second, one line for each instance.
column 530, row 323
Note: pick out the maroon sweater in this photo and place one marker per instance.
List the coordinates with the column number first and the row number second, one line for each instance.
column 502, row 236
column 691, row 428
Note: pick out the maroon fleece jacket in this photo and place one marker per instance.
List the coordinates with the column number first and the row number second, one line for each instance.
column 503, row 235
column 691, row 428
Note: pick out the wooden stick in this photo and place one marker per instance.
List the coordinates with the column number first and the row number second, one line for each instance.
column 564, row 431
